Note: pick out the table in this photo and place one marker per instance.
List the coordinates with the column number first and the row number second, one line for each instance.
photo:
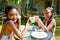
column 34, row 35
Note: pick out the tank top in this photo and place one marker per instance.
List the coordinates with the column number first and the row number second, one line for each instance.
column 6, row 37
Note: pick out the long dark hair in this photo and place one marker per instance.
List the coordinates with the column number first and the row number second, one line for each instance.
column 8, row 8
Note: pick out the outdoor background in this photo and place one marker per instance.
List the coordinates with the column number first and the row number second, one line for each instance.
column 31, row 8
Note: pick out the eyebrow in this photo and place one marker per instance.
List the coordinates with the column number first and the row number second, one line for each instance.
column 45, row 10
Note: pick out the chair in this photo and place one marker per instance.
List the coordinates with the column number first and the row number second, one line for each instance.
column 54, row 33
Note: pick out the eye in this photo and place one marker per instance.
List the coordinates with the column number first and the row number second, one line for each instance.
column 11, row 14
column 16, row 14
column 47, row 13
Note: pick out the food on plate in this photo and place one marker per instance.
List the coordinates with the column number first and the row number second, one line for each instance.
column 37, row 29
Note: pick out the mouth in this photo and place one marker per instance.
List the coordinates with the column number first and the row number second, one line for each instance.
column 14, row 20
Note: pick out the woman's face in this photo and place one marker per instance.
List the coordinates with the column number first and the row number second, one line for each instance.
column 47, row 13
column 12, row 14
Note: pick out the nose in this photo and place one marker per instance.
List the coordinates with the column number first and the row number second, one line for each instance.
column 45, row 15
column 15, row 17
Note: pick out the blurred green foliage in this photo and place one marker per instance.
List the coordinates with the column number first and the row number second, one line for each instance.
column 57, row 18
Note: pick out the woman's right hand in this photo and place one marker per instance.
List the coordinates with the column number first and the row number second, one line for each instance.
column 18, row 16
column 29, row 21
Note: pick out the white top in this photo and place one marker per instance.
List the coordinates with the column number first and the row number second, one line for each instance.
column 7, row 37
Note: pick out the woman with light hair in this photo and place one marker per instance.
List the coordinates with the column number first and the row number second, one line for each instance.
column 49, row 23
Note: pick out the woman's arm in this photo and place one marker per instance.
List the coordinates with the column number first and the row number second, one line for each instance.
column 27, row 24
column 14, row 29
column 18, row 23
column 18, row 26
column 50, row 26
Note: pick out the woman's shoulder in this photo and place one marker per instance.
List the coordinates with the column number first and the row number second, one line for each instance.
column 8, row 22
column 53, row 20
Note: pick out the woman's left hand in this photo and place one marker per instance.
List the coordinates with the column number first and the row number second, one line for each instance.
column 18, row 20
column 18, row 16
column 29, row 21
column 37, row 20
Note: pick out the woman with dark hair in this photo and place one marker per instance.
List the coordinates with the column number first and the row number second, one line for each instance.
column 49, row 23
column 10, row 26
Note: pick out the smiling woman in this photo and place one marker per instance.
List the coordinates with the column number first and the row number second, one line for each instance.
column 49, row 23
column 10, row 27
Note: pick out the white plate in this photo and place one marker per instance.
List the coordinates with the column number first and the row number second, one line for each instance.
column 27, row 34
column 39, row 35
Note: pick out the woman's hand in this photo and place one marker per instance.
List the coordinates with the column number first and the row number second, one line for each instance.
column 37, row 20
column 18, row 20
column 28, row 23
column 18, row 17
